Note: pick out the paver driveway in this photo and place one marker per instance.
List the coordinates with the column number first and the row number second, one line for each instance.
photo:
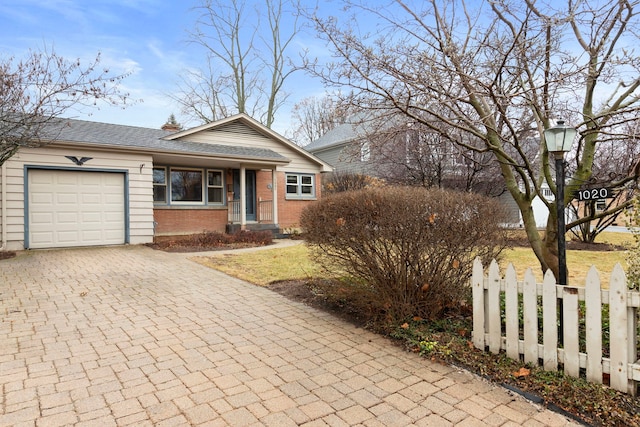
column 131, row 336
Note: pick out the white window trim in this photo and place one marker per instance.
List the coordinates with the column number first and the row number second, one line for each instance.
column 299, row 195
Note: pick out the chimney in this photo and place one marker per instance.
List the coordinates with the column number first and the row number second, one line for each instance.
column 172, row 124
column 171, row 127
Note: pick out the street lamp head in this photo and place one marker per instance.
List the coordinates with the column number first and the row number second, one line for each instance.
column 560, row 138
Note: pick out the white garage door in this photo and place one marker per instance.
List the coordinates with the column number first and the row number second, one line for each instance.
column 69, row 208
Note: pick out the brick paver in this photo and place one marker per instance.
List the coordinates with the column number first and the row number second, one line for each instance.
column 126, row 335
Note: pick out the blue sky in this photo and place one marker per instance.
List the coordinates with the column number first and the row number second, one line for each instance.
column 144, row 37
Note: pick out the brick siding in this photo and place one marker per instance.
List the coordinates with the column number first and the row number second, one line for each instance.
column 189, row 221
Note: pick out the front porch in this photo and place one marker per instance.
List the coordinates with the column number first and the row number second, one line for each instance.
column 264, row 215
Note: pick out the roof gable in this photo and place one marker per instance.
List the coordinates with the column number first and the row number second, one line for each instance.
column 242, row 129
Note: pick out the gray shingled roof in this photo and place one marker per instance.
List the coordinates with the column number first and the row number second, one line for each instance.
column 339, row 135
column 147, row 139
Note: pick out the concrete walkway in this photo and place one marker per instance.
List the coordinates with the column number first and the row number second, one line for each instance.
column 129, row 336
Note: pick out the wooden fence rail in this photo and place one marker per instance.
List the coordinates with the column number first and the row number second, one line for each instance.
column 507, row 313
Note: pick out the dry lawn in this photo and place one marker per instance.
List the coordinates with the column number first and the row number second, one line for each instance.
column 293, row 263
column 266, row 266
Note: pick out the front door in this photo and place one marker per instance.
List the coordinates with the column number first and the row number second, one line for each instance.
column 250, row 182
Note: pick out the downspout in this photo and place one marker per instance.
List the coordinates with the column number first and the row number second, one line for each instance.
column 3, row 206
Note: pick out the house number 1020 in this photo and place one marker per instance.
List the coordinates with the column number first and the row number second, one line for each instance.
column 594, row 194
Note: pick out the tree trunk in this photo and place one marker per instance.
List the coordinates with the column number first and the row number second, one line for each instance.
column 538, row 245
column 550, row 245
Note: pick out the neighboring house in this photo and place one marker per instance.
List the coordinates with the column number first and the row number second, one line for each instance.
column 346, row 149
column 103, row 184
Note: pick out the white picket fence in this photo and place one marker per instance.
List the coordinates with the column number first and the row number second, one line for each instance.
column 498, row 302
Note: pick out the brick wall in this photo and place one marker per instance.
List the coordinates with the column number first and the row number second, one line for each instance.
column 289, row 210
column 189, row 221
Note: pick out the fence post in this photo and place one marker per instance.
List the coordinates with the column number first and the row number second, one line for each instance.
column 479, row 296
column 571, row 333
column 550, row 322
column 618, row 324
column 593, row 325
column 530, row 317
column 511, row 313
column 493, row 315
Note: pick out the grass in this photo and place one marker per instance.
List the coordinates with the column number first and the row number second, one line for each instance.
column 579, row 262
column 266, row 266
column 294, row 263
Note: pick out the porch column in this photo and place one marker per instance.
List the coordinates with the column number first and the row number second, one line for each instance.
column 243, row 197
column 274, row 190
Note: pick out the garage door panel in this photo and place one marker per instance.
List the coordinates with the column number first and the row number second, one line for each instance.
column 67, row 237
column 66, row 218
column 71, row 178
column 39, row 198
column 41, row 218
column 39, row 238
column 69, row 208
column 92, row 199
column 91, row 218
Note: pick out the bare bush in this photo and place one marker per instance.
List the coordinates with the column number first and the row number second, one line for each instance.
column 346, row 181
column 408, row 251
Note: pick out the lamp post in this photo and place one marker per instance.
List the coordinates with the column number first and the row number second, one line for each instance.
column 559, row 140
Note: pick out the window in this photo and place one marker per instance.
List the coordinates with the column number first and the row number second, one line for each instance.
column 159, row 185
column 547, row 193
column 186, row 185
column 300, row 186
column 365, row 152
column 215, row 188
column 177, row 185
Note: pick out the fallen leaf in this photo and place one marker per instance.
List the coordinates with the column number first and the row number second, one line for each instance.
column 455, row 263
column 340, row 222
column 522, row 373
column 405, row 326
column 425, row 287
column 417, row 318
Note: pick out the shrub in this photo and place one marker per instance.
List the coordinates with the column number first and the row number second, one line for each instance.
column 214, row 239
column 407, row 251
column 338, row 182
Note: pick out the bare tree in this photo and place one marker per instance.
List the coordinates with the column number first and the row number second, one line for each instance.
column 315, row 116
column 246, row 63
column 616, row 165
column 493, row 70
column 409, row 153
column 37, row 90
